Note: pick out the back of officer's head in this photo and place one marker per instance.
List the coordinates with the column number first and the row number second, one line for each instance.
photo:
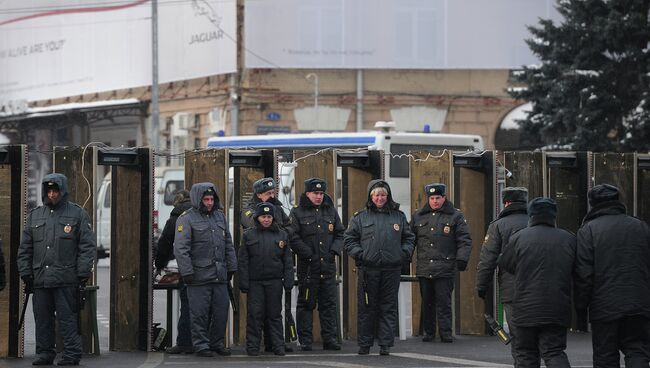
column 602, row 193
column 181, row 196
column 515, row 194
column 542, row 208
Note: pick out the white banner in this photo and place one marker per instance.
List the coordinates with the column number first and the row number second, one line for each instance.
column 55, row 48
column 399, row 34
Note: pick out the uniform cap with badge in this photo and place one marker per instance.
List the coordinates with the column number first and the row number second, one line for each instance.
column 435, row 189
column 52, row 185
column 315, row 185
column 263, row 185
column 264, row 208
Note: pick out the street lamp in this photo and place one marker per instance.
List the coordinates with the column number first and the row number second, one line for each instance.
column 315, row 78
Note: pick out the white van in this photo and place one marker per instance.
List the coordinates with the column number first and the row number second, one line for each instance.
column 168, row 181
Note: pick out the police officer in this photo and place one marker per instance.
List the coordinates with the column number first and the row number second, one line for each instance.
column 444, row 246
column 206, row 260
column 164, row 254
column 512, row 218
column 264, row 190
column 265, row 268
column 542, row 258
column 55, row 258
column 613, row 268
column 380, row 240
column 317, row 238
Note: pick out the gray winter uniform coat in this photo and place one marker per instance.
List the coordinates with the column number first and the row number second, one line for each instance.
column 203, row 245
column 442, row 237
column 58, row 246
column 379, row 237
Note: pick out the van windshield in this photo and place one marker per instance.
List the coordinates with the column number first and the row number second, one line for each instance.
column 172, row 187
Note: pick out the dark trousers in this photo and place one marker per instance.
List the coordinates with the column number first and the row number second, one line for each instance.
column 379, row 316
column 436, row 302
column 184, row 337
column 63, row 303
column 208, row 315
column 322, row 293
column 630, row 335
column 545, row 341
column 264, row 302
column 507, row 308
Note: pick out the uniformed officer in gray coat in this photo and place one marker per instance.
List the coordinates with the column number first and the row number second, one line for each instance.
column 206, row 260
column 56, row 256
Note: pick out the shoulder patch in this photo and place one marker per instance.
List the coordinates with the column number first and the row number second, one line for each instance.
column 295, row 206
column 248, row 213
column 180, row 228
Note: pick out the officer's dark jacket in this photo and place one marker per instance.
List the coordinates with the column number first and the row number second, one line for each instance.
column 246, row 217
column 265, row 254
column 510, row 220
column 613, row 264
column 203, row 245
column 316, row 235
column 542, row 258
column 165, row 251
column 441, row 238
column 379, row 237
column 58, row 245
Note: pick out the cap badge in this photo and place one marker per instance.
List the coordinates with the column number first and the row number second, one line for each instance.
column 432, row 190
column 318, row 185
column 266, row 209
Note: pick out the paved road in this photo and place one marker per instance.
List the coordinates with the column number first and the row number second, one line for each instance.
column 466, row 351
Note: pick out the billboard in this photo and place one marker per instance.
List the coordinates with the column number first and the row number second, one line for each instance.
column 391, row 34
column 58, row 48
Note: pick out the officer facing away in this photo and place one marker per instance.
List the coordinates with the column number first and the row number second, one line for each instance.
column 512, row 218
column 542, row 258
column 55, row 258
column 265, row 268
column 443, row 246
column 613, row 268
column 206, row 260
column 317, row 238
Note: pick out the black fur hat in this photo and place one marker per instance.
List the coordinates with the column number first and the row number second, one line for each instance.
column 435, row 189
column 602, row 193
column 263, row 185
column 515, row 194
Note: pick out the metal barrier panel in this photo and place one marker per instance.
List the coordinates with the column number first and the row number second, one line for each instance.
column 13, row 212
column 474, row 180
column 426, row 167
column 131, row 254
column 617, row 169
column 643, row 187
column 526, row 169
column 209, row 165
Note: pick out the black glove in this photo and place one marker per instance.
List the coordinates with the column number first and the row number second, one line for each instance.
column 462, row 265
column 188, row 280
column 230, row 275
column 244, row 291
column 29, row 283
column 482, row 293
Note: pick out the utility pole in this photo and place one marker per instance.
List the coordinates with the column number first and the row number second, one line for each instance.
column 155, row 95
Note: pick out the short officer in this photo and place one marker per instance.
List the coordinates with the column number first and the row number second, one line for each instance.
column 265, row 268
column 317, row 238
column 613, row 268
column 443, row 246
column 542, row 258
column 512, row 218
column 380, row 240
column 206, row 260
column 56, row 258
column 264, row 190
column 165, row 253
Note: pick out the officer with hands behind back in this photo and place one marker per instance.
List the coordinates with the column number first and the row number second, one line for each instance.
column 317, row 238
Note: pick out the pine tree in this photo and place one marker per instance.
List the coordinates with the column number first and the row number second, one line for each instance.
column 592, row 88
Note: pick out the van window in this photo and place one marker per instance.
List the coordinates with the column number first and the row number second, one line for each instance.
column 172, row 187
column 107, row 196
column 399, row 166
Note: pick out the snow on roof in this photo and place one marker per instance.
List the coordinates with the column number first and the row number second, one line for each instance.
column 520, row 112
